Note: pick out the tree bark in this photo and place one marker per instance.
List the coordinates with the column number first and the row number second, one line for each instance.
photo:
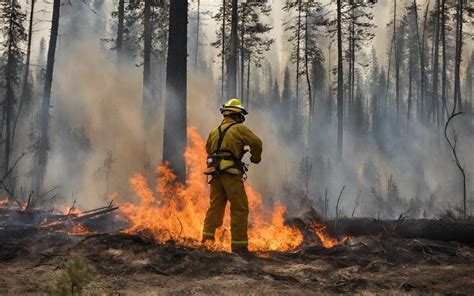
column 175, row 123
column 340, row 82
column 43, row 147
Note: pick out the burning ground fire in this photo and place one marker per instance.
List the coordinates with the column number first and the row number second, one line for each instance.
column 170, row 210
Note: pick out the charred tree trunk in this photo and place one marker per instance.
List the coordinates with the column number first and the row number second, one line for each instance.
column 340, row 82
column 408, row 228
column 174, row 139
column 121, row 16
column 43, row 146
column 232, row 60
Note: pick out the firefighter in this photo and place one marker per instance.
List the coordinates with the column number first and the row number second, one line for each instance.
column 225, row 148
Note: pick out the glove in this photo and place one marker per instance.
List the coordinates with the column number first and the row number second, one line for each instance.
column 254, row 160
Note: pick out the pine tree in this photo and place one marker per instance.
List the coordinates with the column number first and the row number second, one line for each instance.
column 14, row 35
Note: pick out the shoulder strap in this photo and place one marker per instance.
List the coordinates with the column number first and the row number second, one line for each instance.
column 222, row 134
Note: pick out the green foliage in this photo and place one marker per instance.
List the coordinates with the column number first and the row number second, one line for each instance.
column 75, row 277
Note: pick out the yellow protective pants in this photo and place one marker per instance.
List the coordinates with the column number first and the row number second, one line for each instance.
column 228, row 187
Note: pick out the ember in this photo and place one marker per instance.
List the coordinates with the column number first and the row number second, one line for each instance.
column 176, row 211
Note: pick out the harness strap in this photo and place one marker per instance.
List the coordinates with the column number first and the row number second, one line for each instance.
column 222, row 134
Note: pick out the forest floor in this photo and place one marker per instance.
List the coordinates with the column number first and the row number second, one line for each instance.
column 129, row 264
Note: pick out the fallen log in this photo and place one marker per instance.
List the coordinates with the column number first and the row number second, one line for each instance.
column 442, row 230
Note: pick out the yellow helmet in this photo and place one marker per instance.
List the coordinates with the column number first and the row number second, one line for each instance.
column 233, row 106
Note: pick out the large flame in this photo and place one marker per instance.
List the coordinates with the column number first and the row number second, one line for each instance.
column 171, row 210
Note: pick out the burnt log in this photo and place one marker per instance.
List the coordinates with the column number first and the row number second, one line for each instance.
column 443, row 230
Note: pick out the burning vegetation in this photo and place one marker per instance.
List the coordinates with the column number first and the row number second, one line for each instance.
column 170, row 210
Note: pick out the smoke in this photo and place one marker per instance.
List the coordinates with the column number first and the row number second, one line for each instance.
column 97, row 140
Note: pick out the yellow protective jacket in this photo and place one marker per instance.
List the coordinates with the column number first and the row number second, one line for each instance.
column 235, row 140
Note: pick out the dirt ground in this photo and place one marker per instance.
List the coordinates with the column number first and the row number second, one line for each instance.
column 130, row 265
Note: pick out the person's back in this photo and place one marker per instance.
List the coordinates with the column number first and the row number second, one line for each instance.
column 225, row 148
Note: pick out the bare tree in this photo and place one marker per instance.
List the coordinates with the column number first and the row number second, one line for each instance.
column 43, row 145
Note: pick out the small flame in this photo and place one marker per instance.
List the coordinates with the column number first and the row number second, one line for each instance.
column 79, row 229
column 3, row 202
column 175, row 211
column 326, row 240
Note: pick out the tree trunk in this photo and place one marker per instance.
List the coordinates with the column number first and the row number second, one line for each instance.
column 409, row 228
column 329, row 88
column 44, row 117
column 25, row 94
column 422, row 63
column 247, row 95
column 410, row 92
column 198, row 15
column 434, row 95
column 232, row 60
column 242, row 55
column 350, row 84
column 224, row 14
column 340, row 82
column 174, row 138
column 310, row 96
column 298, row 40
column 457, row 59
column 147, row 104
column 444, row 70
column 121, row 15
column 397, row 64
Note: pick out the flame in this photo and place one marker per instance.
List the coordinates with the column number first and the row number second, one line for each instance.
column 171, row 210
column 79, row 229
column 326, row 240
column 3, row 202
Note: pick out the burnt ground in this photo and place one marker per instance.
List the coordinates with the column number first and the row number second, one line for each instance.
column 129, row 264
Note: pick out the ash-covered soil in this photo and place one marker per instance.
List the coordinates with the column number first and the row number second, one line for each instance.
column 130, row 265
